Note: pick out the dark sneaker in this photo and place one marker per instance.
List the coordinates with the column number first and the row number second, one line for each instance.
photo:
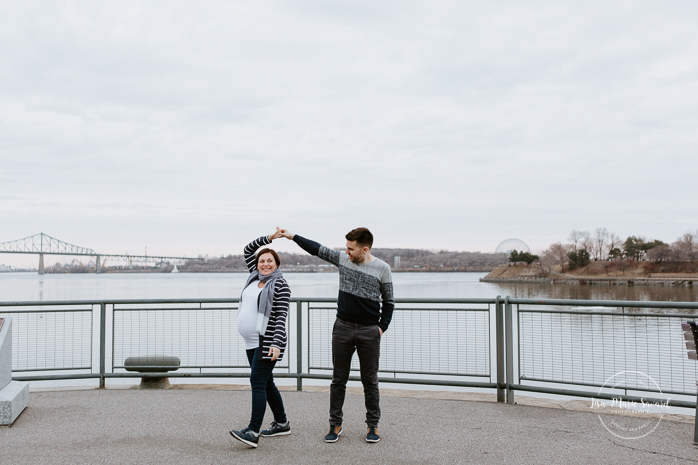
column 333, row 435
column 277, row 430
column 246, row 436
column 372, row 434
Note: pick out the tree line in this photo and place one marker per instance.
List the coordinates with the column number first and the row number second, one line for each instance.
column 409, row 260
column 584, row 247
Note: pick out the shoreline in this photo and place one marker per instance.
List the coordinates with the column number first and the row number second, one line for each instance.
column 593, row 274
column 584, row 281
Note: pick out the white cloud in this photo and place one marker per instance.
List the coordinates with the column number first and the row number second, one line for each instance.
column 440, row 125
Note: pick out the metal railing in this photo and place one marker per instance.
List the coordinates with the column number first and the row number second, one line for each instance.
column 577, row 347
column 563, row 347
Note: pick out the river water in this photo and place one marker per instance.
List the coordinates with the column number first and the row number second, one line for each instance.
column 33, row 287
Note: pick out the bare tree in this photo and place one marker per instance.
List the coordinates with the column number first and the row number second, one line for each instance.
column 685, row 248
column 554, row 255
column 547, row 262
column 575, row 238
column 659, row 253
column 598, row 248
column 587, row 241
column 623, row 265
column 613, row 242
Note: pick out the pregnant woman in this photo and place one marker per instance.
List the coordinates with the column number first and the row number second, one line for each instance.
column 262, row 324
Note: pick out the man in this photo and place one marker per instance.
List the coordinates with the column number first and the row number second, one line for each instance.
column 364, row 310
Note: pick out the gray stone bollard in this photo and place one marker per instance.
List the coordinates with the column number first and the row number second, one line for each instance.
column 156, row 364
column 14, row 395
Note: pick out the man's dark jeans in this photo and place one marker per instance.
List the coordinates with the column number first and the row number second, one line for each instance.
column 263, row 390
column 348, row 337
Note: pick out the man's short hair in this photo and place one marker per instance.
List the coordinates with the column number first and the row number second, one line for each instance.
column 362, row 236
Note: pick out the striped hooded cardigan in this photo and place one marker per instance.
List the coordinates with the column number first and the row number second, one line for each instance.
column 275, row 335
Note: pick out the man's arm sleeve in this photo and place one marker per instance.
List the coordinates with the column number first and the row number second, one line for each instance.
column 312, row 247
column 388, row 302
column 319, row 250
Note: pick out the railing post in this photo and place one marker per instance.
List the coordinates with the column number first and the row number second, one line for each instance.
column 499, row 339
column 695, row 425
column 509, row 327
column 102, row 342
column 299, row 346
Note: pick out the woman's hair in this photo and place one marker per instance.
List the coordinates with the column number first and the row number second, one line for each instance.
column 273, row 253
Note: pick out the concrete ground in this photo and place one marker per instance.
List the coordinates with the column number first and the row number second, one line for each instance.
column 190, row 425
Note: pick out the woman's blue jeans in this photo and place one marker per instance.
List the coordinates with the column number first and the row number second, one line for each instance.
column 263, row 390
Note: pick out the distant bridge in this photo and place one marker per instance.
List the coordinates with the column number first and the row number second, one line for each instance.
column 42, row 244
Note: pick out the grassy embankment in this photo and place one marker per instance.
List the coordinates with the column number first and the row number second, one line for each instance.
column 626, row 270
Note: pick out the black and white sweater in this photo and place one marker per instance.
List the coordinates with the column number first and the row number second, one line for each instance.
column 365, row 289
column 275, row 335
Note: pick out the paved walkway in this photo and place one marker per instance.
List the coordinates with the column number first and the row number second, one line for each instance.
column 191, row 426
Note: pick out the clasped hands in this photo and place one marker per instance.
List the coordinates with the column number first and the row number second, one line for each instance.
column 281, row 233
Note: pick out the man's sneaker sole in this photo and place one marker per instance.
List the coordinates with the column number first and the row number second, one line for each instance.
column 249, row 443
column 335, row 439
column 373, row 440
column 281, row 433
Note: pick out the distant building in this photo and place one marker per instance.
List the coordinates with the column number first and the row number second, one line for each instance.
column 396, row 263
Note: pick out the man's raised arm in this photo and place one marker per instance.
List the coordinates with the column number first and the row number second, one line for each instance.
column 312, row 247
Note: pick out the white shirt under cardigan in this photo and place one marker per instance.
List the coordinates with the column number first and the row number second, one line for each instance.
column 275, row 335
column 247, row 315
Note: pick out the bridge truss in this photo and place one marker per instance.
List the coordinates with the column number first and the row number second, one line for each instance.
column 43, row 244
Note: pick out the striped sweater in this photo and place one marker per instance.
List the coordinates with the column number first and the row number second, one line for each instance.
column 365, row 289
column 275, row 335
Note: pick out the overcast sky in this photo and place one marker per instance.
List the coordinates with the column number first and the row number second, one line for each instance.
column 194, row 127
